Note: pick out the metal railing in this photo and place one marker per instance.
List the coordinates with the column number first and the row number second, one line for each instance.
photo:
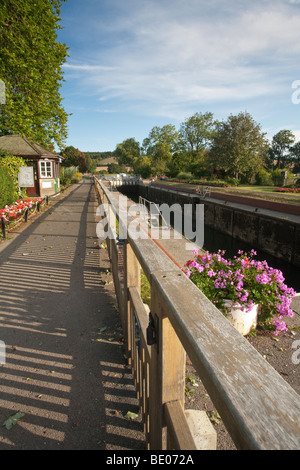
column 23, row 217
column 154, row 215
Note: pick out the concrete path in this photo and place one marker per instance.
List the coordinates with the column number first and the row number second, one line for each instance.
column 64, row 368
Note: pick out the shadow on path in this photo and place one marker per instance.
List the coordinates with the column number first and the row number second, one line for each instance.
column 65, row 367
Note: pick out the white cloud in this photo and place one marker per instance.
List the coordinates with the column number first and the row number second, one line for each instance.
column 88, row 67
column 162, row 56
column 297, row 132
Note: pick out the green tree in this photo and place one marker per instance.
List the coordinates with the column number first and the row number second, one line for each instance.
column 128, row 152
column 294, row 157
column 196, row 132
column 160, row 146
column 238, row 147
column 114, row 168
column 195, row 136
column 91, row 164
column 31, row 69
column 143, row 166
column 279, row 152
column 74, row 157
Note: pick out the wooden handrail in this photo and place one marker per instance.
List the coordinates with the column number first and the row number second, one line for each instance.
column 259, row 409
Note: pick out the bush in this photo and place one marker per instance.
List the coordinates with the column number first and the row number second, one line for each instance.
column 76, row 178
column 64, row 181
column 277, row 177
column 13, row 164
column 70, row 171
column 184, row 176
column 66, row 174
column 232, row 181
column 199, row 171
column 145, row 170
column 8, row 194
column 264, row 178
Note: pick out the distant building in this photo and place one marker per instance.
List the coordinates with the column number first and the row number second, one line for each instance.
column 46, row 164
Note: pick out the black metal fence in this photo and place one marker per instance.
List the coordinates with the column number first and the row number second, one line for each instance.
column 4, row 225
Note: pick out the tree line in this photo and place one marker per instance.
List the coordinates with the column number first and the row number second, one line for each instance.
column 202, row 146
column 31, row 71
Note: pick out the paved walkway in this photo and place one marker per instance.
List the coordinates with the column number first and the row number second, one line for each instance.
column 65, row 368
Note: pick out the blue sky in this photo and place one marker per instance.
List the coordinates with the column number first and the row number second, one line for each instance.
column 136, row 64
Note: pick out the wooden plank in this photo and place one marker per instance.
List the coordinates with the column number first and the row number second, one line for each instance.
column 116, row 279
column 167, row 372
column 259, row 409
column 142, row 316
column 131, row 279
column 151, row 258
column 178, row 427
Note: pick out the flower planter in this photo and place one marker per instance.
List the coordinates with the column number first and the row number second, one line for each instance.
column 243, row 319
column 238, row 280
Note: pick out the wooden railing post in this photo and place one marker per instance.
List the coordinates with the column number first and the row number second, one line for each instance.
column 167, row 373
column 132, row 278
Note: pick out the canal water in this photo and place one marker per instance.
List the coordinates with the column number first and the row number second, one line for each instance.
column 214, row 241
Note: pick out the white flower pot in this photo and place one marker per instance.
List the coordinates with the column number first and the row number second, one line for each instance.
column 240, row 317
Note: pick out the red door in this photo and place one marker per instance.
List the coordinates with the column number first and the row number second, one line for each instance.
column 35, row 190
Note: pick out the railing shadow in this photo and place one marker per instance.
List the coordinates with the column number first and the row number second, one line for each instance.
column 57, row 307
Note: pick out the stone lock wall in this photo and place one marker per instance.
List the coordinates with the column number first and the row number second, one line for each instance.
column 278, row 237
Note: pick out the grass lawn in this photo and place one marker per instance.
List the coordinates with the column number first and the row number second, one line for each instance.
column 268, row 189
column 145, row 288
column 261, row 192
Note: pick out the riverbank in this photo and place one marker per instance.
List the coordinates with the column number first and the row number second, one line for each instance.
column 267, row 193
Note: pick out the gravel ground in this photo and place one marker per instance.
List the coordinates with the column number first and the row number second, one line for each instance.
column 279, row 352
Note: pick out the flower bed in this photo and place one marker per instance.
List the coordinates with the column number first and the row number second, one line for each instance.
column 246, row 282
column 14, row 212
column 288, row 190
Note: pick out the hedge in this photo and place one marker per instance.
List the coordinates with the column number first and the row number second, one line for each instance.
column 7, row 193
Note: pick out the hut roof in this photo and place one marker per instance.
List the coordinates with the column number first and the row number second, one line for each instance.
column 23, row 147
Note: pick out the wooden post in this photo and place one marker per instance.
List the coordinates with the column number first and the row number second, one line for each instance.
column 167, row 374
column 132, row 278
column 3, row 227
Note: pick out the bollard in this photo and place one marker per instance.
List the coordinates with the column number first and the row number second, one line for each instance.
column 3, row 227
column 26, row 214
